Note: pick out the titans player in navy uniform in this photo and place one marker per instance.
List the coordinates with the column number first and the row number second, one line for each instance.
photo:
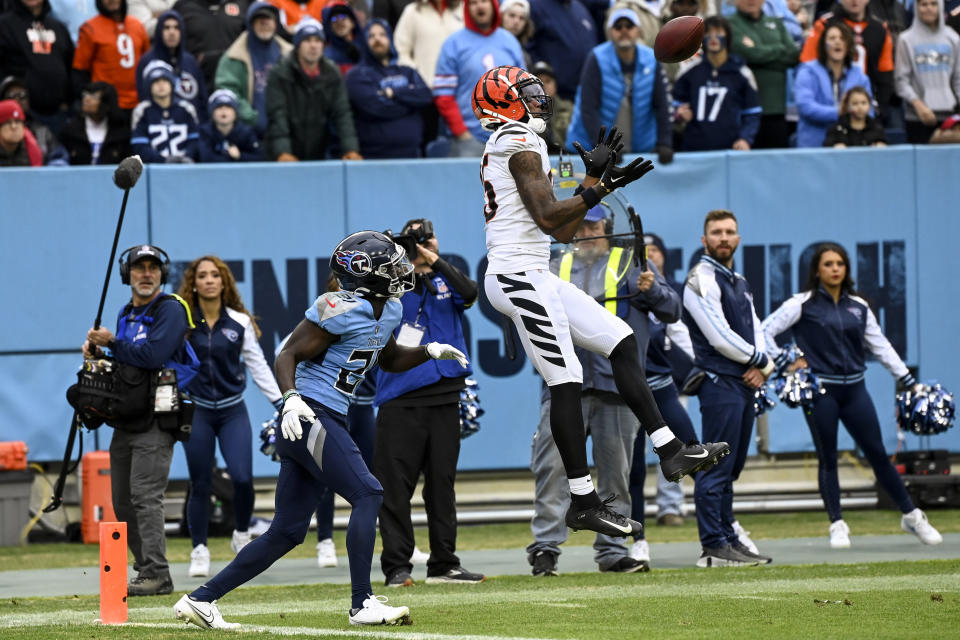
column 326, row 357
column 833, row 326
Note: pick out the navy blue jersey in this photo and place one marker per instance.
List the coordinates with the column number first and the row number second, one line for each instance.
column 833, row 335
column 724, row 328
column 227, row 347
column 724, row 102
column 333, row 376
column 160, row 133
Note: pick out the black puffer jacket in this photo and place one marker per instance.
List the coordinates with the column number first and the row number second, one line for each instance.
column 43, row 58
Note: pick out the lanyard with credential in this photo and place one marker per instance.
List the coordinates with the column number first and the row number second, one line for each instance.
column 411, row 334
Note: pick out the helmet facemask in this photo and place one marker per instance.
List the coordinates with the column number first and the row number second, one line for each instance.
column 399, row 271
column 538, row 105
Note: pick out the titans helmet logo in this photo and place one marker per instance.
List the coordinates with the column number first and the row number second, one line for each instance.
column 355, row 262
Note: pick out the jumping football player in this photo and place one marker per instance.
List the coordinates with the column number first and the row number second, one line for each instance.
column 343, row 335
column 551, row 315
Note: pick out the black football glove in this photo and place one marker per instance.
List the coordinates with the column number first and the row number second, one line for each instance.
column 595, row 161
column 615, row 177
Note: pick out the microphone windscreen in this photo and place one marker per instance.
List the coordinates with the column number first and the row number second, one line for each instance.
column 128, row 172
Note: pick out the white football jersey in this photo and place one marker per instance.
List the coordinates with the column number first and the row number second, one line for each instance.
column 514, row 241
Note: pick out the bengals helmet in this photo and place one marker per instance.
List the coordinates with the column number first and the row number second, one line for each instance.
column 506, row 94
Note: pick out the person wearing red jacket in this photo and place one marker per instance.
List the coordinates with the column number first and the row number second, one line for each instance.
column 108, row 49
column 465, row 56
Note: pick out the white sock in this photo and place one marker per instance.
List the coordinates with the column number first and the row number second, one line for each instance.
column 582, row 486
column 661, row 436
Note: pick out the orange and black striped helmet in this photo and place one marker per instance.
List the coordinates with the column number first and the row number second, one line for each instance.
column 505, row 93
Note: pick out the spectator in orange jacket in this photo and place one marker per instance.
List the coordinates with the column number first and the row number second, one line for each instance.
column 108, row 49
column 292, row 12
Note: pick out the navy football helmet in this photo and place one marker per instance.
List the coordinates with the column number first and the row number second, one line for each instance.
column 370, row 263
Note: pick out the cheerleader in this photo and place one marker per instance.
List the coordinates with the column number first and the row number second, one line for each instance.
column 833, row 327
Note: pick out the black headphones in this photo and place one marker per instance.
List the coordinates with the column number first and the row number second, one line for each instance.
column 125, row 263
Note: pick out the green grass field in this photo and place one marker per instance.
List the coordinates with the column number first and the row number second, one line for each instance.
column 887, row 600
column 504, row 536
column 881, row 600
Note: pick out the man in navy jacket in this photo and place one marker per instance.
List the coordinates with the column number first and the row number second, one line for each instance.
column 418, row 425
column 386, row 98
column 729, row 346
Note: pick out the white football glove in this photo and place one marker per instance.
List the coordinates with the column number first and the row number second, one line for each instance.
column 293, row 410
column 439, row 351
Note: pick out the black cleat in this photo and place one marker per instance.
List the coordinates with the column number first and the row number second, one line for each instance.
column 725, row 556
column 693, row 457
column 603, row 520
column 544, row 563
column 626, row 564
column 745, row 551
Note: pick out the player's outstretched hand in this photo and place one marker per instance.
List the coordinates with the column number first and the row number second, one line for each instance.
column 615, row 177
column 295, row 409
column 439, row 351
column 595, row 161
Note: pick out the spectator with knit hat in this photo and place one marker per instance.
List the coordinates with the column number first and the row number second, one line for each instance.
column 386, row 98
column 224, row 138
column 344, row 43
column 245, row 66
column 165, row 126
column 169, row 45
column 13, row 147
column 307, row 103
column 515, row 18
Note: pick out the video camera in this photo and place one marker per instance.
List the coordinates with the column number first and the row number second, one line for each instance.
column 409, row 238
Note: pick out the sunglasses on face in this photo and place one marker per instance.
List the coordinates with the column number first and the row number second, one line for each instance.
column 338, row 17
column 16, row 95
column 622, row 25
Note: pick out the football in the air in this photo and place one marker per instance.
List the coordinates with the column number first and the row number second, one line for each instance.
column 679, row 39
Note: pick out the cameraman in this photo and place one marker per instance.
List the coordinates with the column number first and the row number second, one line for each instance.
column 418, row 424
column 150, row 334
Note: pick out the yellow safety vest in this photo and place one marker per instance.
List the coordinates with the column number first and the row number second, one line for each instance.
column 610, row 281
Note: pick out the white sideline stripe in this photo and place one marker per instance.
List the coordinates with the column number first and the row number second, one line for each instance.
column 944, row 583
column 365, row 631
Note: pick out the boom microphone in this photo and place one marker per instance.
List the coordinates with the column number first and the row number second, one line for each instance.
column 128, row 172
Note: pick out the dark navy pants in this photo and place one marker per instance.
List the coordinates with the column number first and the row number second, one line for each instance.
column 326, row 456
column 852, row 404
column 668, row 400
column 362, row 425
column 231, row 427
column 726, row 409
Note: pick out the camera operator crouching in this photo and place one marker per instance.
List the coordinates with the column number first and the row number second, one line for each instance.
column 151, row 359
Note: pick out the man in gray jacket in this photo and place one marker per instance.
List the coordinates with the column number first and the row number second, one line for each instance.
column 612, row 426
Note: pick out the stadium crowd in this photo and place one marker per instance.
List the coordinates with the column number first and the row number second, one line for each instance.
column 235, row 80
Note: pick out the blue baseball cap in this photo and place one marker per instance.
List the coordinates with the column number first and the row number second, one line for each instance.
column 596, row 214
column 623, row 12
